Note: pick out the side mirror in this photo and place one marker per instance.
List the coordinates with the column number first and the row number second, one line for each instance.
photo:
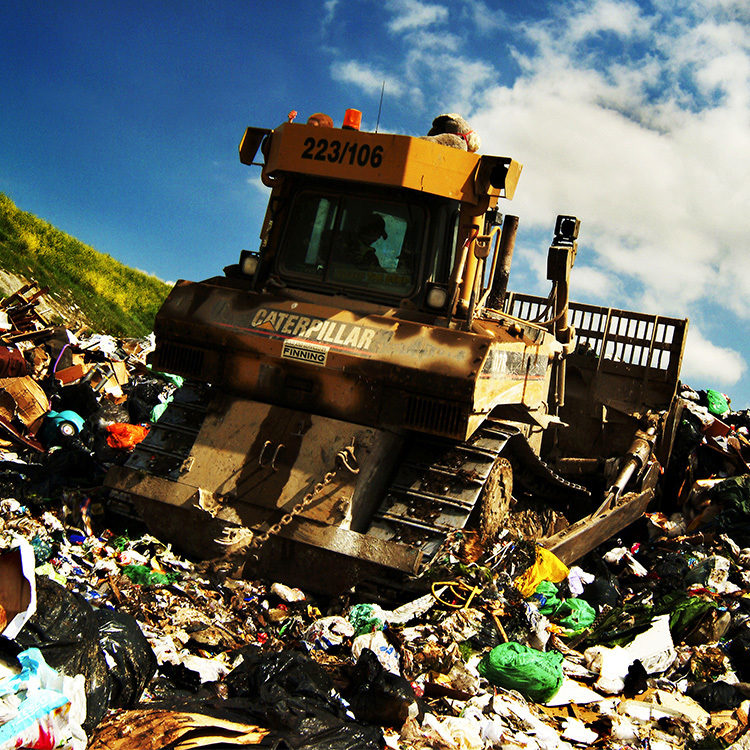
column 249, row 261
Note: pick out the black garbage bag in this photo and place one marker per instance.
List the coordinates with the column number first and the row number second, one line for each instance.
column 66, row 629
column 733, row 494
column 72, row 465
column 377, row 696
column 602, row 591
column 716, row 696
column 143, row 396
column 291, row 694
column 132, row 660
column 739, row 654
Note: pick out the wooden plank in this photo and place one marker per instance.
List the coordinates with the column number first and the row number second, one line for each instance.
column 152, row 729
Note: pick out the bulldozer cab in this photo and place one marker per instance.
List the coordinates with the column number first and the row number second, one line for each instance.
column 367, row 245
column 372, row 217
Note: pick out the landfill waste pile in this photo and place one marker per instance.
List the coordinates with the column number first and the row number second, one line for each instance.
column 110, row 639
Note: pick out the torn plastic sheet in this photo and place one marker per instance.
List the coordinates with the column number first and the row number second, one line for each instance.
column 328, row 632
column 49, row 707
column 654, row 648
column 450, row 732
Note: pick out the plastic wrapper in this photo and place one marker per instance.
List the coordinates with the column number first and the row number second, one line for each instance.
column 546, row 567
column 145, row 575
column 367, row 617
column 328, row 632
column 449, row 732
column 377, row 643
column 713, row 573
column 578, row 579
column 575, row 615
column 123, row 436
column 462, row 624
column 288, row 594
column 653, row 648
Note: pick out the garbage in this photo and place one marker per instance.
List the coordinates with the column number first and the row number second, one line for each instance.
column 179, row 730
column 76, row 641
column 328, row 632
column 366, row 617
column 645, row 640
column 546, row 567
column 125, row 436
column 41, row 708
column 716, row 696
column 653, row 648
column 377, row 643
column 290, row 694
column 377, row 695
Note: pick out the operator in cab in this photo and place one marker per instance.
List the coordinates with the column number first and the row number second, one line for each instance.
column 370, row 230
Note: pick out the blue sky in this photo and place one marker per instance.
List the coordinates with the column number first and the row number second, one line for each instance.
column 119, row 123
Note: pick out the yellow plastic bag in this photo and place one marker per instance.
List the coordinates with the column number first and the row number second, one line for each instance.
column 547, row 567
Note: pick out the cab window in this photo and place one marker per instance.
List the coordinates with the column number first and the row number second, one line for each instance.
column 354, row 242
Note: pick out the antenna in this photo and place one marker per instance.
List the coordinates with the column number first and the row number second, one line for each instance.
column 380, row 106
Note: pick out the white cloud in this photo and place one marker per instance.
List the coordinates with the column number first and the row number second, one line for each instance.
column 707, row 362
column 634, row 119
column 623, row 18
column 592, row 284
column 409, row 15
column 329, row 7
column 257, row 185
column 660, row 183
column 365, row 77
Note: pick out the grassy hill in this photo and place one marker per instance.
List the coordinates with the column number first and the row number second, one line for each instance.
column 112, row 297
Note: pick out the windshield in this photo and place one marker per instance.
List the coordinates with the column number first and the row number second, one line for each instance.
column 354, row 241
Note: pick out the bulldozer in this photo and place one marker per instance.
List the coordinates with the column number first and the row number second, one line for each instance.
column 364, row 384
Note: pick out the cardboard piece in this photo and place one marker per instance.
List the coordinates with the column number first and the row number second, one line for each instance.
column 31, row 400
column 72, row 374
column 17, row 586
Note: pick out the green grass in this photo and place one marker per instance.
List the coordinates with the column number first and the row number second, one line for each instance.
column 114, row 298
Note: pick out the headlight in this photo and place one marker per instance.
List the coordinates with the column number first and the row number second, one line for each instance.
column 436, row 297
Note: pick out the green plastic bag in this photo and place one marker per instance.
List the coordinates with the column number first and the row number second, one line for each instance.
column 535, row 674
column 145, row 575
column 717, row 403
column 575, row 615
column 546, row 597
column 365, row 618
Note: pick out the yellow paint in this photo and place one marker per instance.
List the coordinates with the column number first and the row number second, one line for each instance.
column 381, row 158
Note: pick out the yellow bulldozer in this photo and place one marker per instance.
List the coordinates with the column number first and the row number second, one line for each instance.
column 364, row 384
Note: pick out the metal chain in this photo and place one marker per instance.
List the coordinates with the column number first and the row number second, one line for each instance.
column 259, row 540
column 346, row 459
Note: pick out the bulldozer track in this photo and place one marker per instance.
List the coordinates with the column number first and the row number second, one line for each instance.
column 439, row 482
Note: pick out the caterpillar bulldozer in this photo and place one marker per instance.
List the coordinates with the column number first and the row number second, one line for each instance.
column 364, row 384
